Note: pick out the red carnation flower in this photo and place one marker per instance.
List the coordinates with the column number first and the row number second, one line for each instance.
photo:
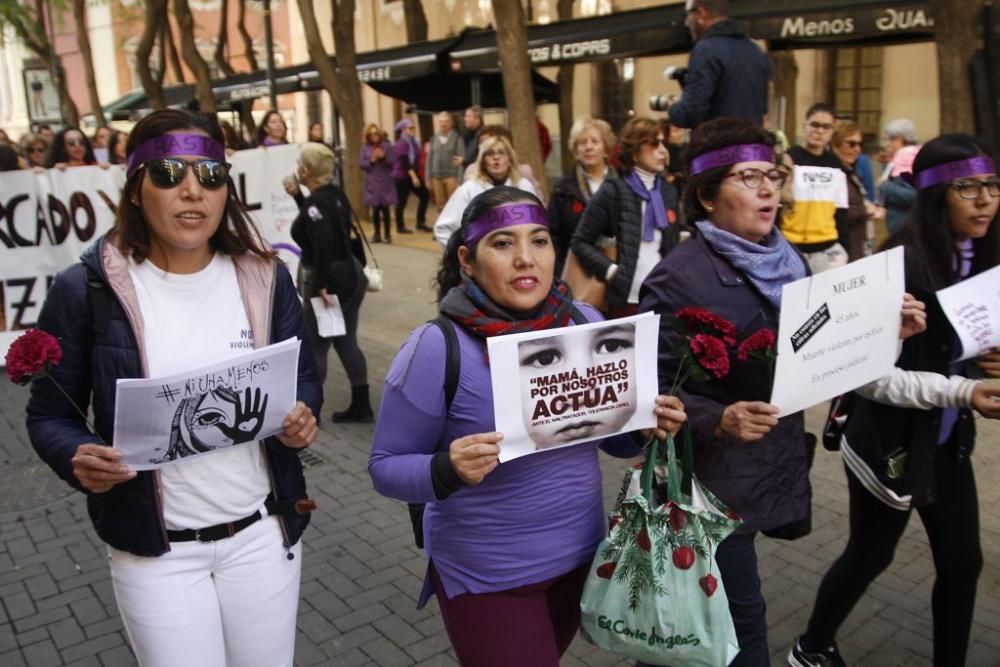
column 711, row 354
column 763, row 340
column 698, row 319
column 31, row 355
column 577, row 206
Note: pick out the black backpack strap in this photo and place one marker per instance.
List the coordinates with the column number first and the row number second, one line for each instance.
column 99, row 299
column 577, row 315
column 453, row 357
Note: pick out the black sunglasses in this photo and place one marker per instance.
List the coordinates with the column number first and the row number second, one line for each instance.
column 169, row 172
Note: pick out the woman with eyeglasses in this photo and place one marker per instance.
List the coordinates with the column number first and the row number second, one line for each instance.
column 204, row 552
column 70, row 148
column 846, row 145
column 631, row 222
column 734, row 266
column 35, row 150
column 921, row 417
column 495, row 166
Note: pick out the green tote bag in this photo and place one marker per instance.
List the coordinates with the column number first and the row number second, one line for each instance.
column 654, row 592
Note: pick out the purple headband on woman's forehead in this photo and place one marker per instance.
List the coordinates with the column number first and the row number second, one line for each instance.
column 169, row 145
column 949, row 171
column 723, row 157
column 507, row 215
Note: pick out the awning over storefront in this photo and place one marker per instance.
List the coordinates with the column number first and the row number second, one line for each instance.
column 457, row 90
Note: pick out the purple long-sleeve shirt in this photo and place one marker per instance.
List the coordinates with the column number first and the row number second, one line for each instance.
column 531, row 519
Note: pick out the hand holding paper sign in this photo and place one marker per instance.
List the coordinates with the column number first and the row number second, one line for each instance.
column 670, row 416
column 989, row 363
column 98, row 467
column 475, row 456
column 300, row 427
column 986, row 400
column 913, row 317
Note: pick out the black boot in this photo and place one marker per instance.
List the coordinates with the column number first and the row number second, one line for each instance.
column 360, row 409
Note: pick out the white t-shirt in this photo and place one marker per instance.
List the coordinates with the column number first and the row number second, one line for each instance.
column 190, row 320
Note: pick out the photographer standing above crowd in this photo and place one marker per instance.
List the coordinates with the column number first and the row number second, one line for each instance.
column 727, row 73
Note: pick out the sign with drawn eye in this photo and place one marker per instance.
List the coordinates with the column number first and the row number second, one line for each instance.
column 242, row 400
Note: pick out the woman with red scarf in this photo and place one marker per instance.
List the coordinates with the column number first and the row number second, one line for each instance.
column 508, row 547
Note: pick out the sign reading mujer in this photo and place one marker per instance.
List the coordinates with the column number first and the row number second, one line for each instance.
column 47, row 219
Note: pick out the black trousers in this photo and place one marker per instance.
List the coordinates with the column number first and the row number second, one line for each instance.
column 403, row 189
column 952, row 525
column 381, row 213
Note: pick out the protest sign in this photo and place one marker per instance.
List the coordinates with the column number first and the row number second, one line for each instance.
column 242, row 399
column 838, row 330
column 47, row 219
column 561, row 387
column 973, row 308
column 329, row 317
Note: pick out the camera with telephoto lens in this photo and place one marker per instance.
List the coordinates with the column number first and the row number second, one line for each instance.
column 673, row 73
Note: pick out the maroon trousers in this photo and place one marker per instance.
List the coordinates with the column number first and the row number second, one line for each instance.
column 530, row 626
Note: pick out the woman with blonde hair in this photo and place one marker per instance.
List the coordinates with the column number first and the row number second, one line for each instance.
column 591, row 140
column 496, row 165
column 328, row 268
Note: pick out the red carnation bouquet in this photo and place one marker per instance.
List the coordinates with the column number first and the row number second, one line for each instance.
column 762, row 345
column 31, row 356
column 703, row 345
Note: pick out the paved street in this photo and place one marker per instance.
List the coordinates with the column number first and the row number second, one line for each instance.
column 362, row 573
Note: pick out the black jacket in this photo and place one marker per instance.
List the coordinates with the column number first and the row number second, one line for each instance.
column 97, row 354
column 616, row 212
column 322, row 230
column 767, row 481
column 566, row 206
column 727, row 76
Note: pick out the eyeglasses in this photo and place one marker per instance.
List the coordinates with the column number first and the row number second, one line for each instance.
column 752, row 178
column 37, row 149
column 971, row 188
column 851, row 144
column 820, row 126
column 169, row 172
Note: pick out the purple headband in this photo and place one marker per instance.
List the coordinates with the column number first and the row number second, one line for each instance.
column 507, row 215
column 723, row 157
column 949, row 171
column 168, row 145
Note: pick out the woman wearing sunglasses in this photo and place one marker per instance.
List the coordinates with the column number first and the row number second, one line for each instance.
column 70, row 148
column 204, row 552
column 630, row 222
column 920, row 418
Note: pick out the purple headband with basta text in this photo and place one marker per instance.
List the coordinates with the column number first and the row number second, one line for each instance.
column 949, row 171
column 723, row 157
column 507, row 215
column 169, row 145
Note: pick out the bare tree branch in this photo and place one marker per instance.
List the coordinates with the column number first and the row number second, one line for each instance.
column 241, row 27
column 221, row 41
column 193, row 59
column 156, row 16
column 564, row 79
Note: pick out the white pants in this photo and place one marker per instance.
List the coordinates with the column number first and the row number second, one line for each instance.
column 831, row 258
column 231, row 602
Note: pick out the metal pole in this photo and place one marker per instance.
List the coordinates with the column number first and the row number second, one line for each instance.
column 269, row 45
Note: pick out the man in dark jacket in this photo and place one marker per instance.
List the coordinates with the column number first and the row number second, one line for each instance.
column 727, row 73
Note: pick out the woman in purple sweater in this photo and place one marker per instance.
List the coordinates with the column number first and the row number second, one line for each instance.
column 377, row 160
column 508, row 546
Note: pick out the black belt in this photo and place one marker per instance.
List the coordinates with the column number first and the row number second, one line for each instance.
column 214, row 533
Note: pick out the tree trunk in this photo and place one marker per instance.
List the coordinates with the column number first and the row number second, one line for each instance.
column 786, row 74
column 565, row 81
column 80, row 19
column 241, row 27
column 222, row 40
column 45, row 51
column 416, row 31
column 156, row 16
column 957, row 35
column 168, row 37
column 341, row 82
column 193, row 59
column 512, row 41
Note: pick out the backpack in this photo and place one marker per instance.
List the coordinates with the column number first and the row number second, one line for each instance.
column 452, row 368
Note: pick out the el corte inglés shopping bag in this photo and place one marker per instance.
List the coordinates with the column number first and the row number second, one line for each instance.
column 654, row 592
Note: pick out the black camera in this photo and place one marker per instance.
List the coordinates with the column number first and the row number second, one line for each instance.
column 660, row 102
column 663, row 102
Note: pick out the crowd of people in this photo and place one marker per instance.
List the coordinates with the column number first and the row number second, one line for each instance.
column 720, row 219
